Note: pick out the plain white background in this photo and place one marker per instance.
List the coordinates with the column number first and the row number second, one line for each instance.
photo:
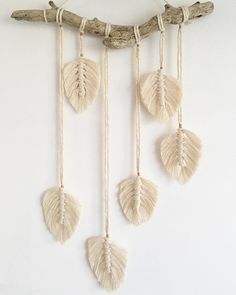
column 188, row 247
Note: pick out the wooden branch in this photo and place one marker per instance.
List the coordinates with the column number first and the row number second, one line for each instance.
column 120, row 36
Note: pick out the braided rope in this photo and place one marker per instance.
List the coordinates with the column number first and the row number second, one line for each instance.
column 137, row 100
column 106, row 172
column 186, row 14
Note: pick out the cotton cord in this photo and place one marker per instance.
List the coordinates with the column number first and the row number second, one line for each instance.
column 162, row 39
column 137, row 98
column 81, row 34
column 106, row 156
column 185, row 11
column 59, row 17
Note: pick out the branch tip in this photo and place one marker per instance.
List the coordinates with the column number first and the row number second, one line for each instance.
column 52, row 4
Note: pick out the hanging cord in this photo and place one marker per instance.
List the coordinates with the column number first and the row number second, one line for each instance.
column 137, row 100
column 81, row 35
column 162, row 39
column 185, row 11
column 106, row 165
column 61, row 100
column 59, row 17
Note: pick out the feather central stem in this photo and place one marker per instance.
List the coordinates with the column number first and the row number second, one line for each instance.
column 181, row 147
column 108, row 261
column 62, row 206
column 137, row 194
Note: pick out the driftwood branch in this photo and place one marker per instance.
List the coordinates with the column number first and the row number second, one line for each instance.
column 120, row 36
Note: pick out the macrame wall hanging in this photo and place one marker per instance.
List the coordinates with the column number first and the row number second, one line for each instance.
column 159, row 93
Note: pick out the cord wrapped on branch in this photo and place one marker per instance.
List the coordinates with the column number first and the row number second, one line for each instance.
column 120, row 36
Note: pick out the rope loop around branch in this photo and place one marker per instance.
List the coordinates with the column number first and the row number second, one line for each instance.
column 137, row 35
column 107, row 30
column 186, row 13
column 59, row 16
column 82, row 25
column 45, row 16
column 160, row 23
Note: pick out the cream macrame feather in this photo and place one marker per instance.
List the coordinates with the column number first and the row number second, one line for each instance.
column 108, row 262
column 81, row 77
column 138, row 198
column 161, row 95
column 180, row 153
column 61, row 213
column 81, row 82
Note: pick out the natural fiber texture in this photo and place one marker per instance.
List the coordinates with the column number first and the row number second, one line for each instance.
column 61, row 213
column 138, row 198
column 81, row 83
column 180, row 154
column 108, row 262
column 161, row 95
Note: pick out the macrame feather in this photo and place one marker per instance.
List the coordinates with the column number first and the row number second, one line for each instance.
column 138, row 198
column 61, row 213
column 180, row 154
column 161, row 95
column 107, row 261
column 81, row 82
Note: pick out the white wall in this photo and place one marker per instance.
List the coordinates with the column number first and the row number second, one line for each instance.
column 189, row 245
